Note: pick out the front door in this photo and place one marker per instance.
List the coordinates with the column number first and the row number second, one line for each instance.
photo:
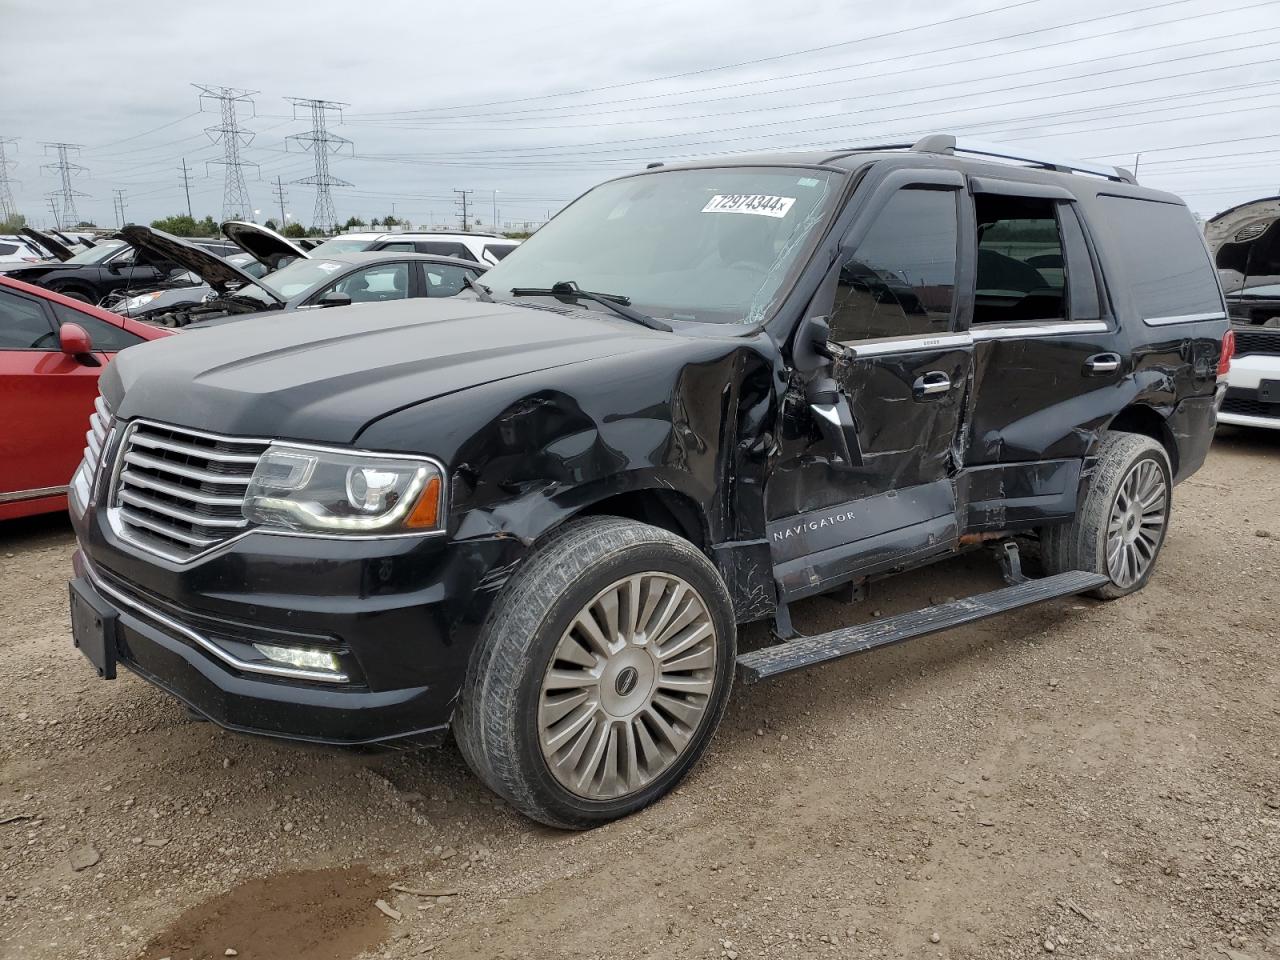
column 904, row 379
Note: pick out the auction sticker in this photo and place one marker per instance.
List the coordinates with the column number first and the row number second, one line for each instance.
column 756, row 203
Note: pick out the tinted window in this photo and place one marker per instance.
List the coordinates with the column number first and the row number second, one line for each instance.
column 8, row 248
column 402, row 245
column 1162, row 258
column 23, row 324
column 106, row 337
column 387, row 281
column 443, row 248
column 496, row 251
column 442, row 280
column 1021, row 271
column 901, row 280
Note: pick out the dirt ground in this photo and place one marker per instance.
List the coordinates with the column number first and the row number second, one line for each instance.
column 1094, row 780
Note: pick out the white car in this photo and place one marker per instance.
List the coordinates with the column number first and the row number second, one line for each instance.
column 15, row 249
column 1246, row 245
column 486, row 248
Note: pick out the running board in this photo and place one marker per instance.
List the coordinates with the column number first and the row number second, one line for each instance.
column 783, row 657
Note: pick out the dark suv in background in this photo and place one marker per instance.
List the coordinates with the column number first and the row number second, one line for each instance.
column 536, row 513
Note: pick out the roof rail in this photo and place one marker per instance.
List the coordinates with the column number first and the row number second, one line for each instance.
column 946, row 143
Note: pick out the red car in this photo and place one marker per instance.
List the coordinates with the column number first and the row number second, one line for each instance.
column 52, row 349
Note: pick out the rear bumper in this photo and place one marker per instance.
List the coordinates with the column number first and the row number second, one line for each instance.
column 1243, row 405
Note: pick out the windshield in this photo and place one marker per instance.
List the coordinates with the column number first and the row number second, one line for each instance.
column 290, row 281
column 707, row 245
column 98, row 253
column 341, row 245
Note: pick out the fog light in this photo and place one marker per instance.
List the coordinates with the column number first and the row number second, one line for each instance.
column 305, row 658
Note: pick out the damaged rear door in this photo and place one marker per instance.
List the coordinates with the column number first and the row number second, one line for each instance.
column 902, row 368
column 1046, row 361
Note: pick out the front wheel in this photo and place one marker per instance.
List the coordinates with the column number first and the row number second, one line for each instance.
column 601, row 674
column 1120, row 524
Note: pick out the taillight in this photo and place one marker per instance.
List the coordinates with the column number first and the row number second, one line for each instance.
column 1228, row 351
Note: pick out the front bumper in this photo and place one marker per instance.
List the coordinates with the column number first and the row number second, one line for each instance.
column 401, row 614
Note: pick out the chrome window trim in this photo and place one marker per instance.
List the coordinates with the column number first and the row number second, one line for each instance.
column 879, row 347
column 35, row 493
column 1184, row 318
column 1011, row 330
column 292, row 673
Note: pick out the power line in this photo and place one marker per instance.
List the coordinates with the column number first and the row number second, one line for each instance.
column 65, row 170
column 7, row 207
column 235, row 194
column 321, row 143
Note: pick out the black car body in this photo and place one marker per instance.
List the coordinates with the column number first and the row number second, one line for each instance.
column 109, row 267
column 303, row 283
column 853, row 372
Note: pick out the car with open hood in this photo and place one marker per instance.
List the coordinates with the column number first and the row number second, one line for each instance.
column 486, row 248
column 304, row 283
column 1246, row 244
column 264, row 250
column 535, row 514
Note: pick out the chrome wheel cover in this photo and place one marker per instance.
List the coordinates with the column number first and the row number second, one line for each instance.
column 628, row 686
column 1136, row 525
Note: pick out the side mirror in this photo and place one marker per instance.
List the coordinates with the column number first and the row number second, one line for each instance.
column 113, row 267
column 75, row 341
column 334, row 298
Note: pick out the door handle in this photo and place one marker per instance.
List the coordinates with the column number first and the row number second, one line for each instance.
column 1102, row 363
column 931, row 384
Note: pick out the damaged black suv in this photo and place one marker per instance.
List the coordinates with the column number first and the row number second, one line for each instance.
column 536, row 514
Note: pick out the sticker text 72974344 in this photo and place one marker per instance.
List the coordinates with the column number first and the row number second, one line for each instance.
column 755, row 203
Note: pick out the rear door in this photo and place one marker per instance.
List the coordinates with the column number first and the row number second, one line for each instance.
column 47, row 397
column 1046, row 358
column 897, row 313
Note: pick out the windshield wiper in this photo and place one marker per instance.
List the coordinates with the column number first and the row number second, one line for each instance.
column 481, row 290
column 616, row 302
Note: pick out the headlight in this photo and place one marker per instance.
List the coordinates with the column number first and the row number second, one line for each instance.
column 136, row 303
column 328, row 491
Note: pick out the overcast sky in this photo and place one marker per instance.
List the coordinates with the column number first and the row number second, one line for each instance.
column 538, row 101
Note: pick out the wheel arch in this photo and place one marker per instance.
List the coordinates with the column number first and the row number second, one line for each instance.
column 1146, row 420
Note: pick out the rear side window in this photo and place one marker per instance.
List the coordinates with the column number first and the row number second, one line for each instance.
column 1163, row 259
column 402, row 246
column 106, row 337
column 496, row 251
column 901, row 280
column 23, row 325
column 8, row 248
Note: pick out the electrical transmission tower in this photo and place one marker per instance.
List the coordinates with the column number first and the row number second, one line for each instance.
column 461, row 204
column 232, row 136
column 117, row 201
column 321, row 143
column 7, row 207
column 65, row 212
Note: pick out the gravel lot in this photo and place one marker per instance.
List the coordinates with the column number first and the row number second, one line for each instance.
column 1094, row 780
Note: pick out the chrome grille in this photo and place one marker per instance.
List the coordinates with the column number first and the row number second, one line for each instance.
column 96, row 437
column 180, row 492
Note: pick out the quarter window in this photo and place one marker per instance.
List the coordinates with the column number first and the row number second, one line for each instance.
column 1166, row 266
column 23, row 324
column 901, row 280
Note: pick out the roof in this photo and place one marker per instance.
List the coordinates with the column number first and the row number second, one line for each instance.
column 420, row 234
column 356, row 257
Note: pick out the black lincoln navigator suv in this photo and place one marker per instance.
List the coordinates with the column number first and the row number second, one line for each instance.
column 535, row 514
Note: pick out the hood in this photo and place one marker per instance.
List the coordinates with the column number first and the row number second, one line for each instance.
column 267, row 247
column 55, row 247
column 323, row 375
column 1246, row 239
column 209, row 267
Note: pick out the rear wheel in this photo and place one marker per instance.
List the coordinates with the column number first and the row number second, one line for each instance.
column 74, row 293
column 601, row 676
column 1120, row 525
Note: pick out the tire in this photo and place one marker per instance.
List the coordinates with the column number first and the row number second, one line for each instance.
column 575, row 731
column 1128, row 464
column 73, row 293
